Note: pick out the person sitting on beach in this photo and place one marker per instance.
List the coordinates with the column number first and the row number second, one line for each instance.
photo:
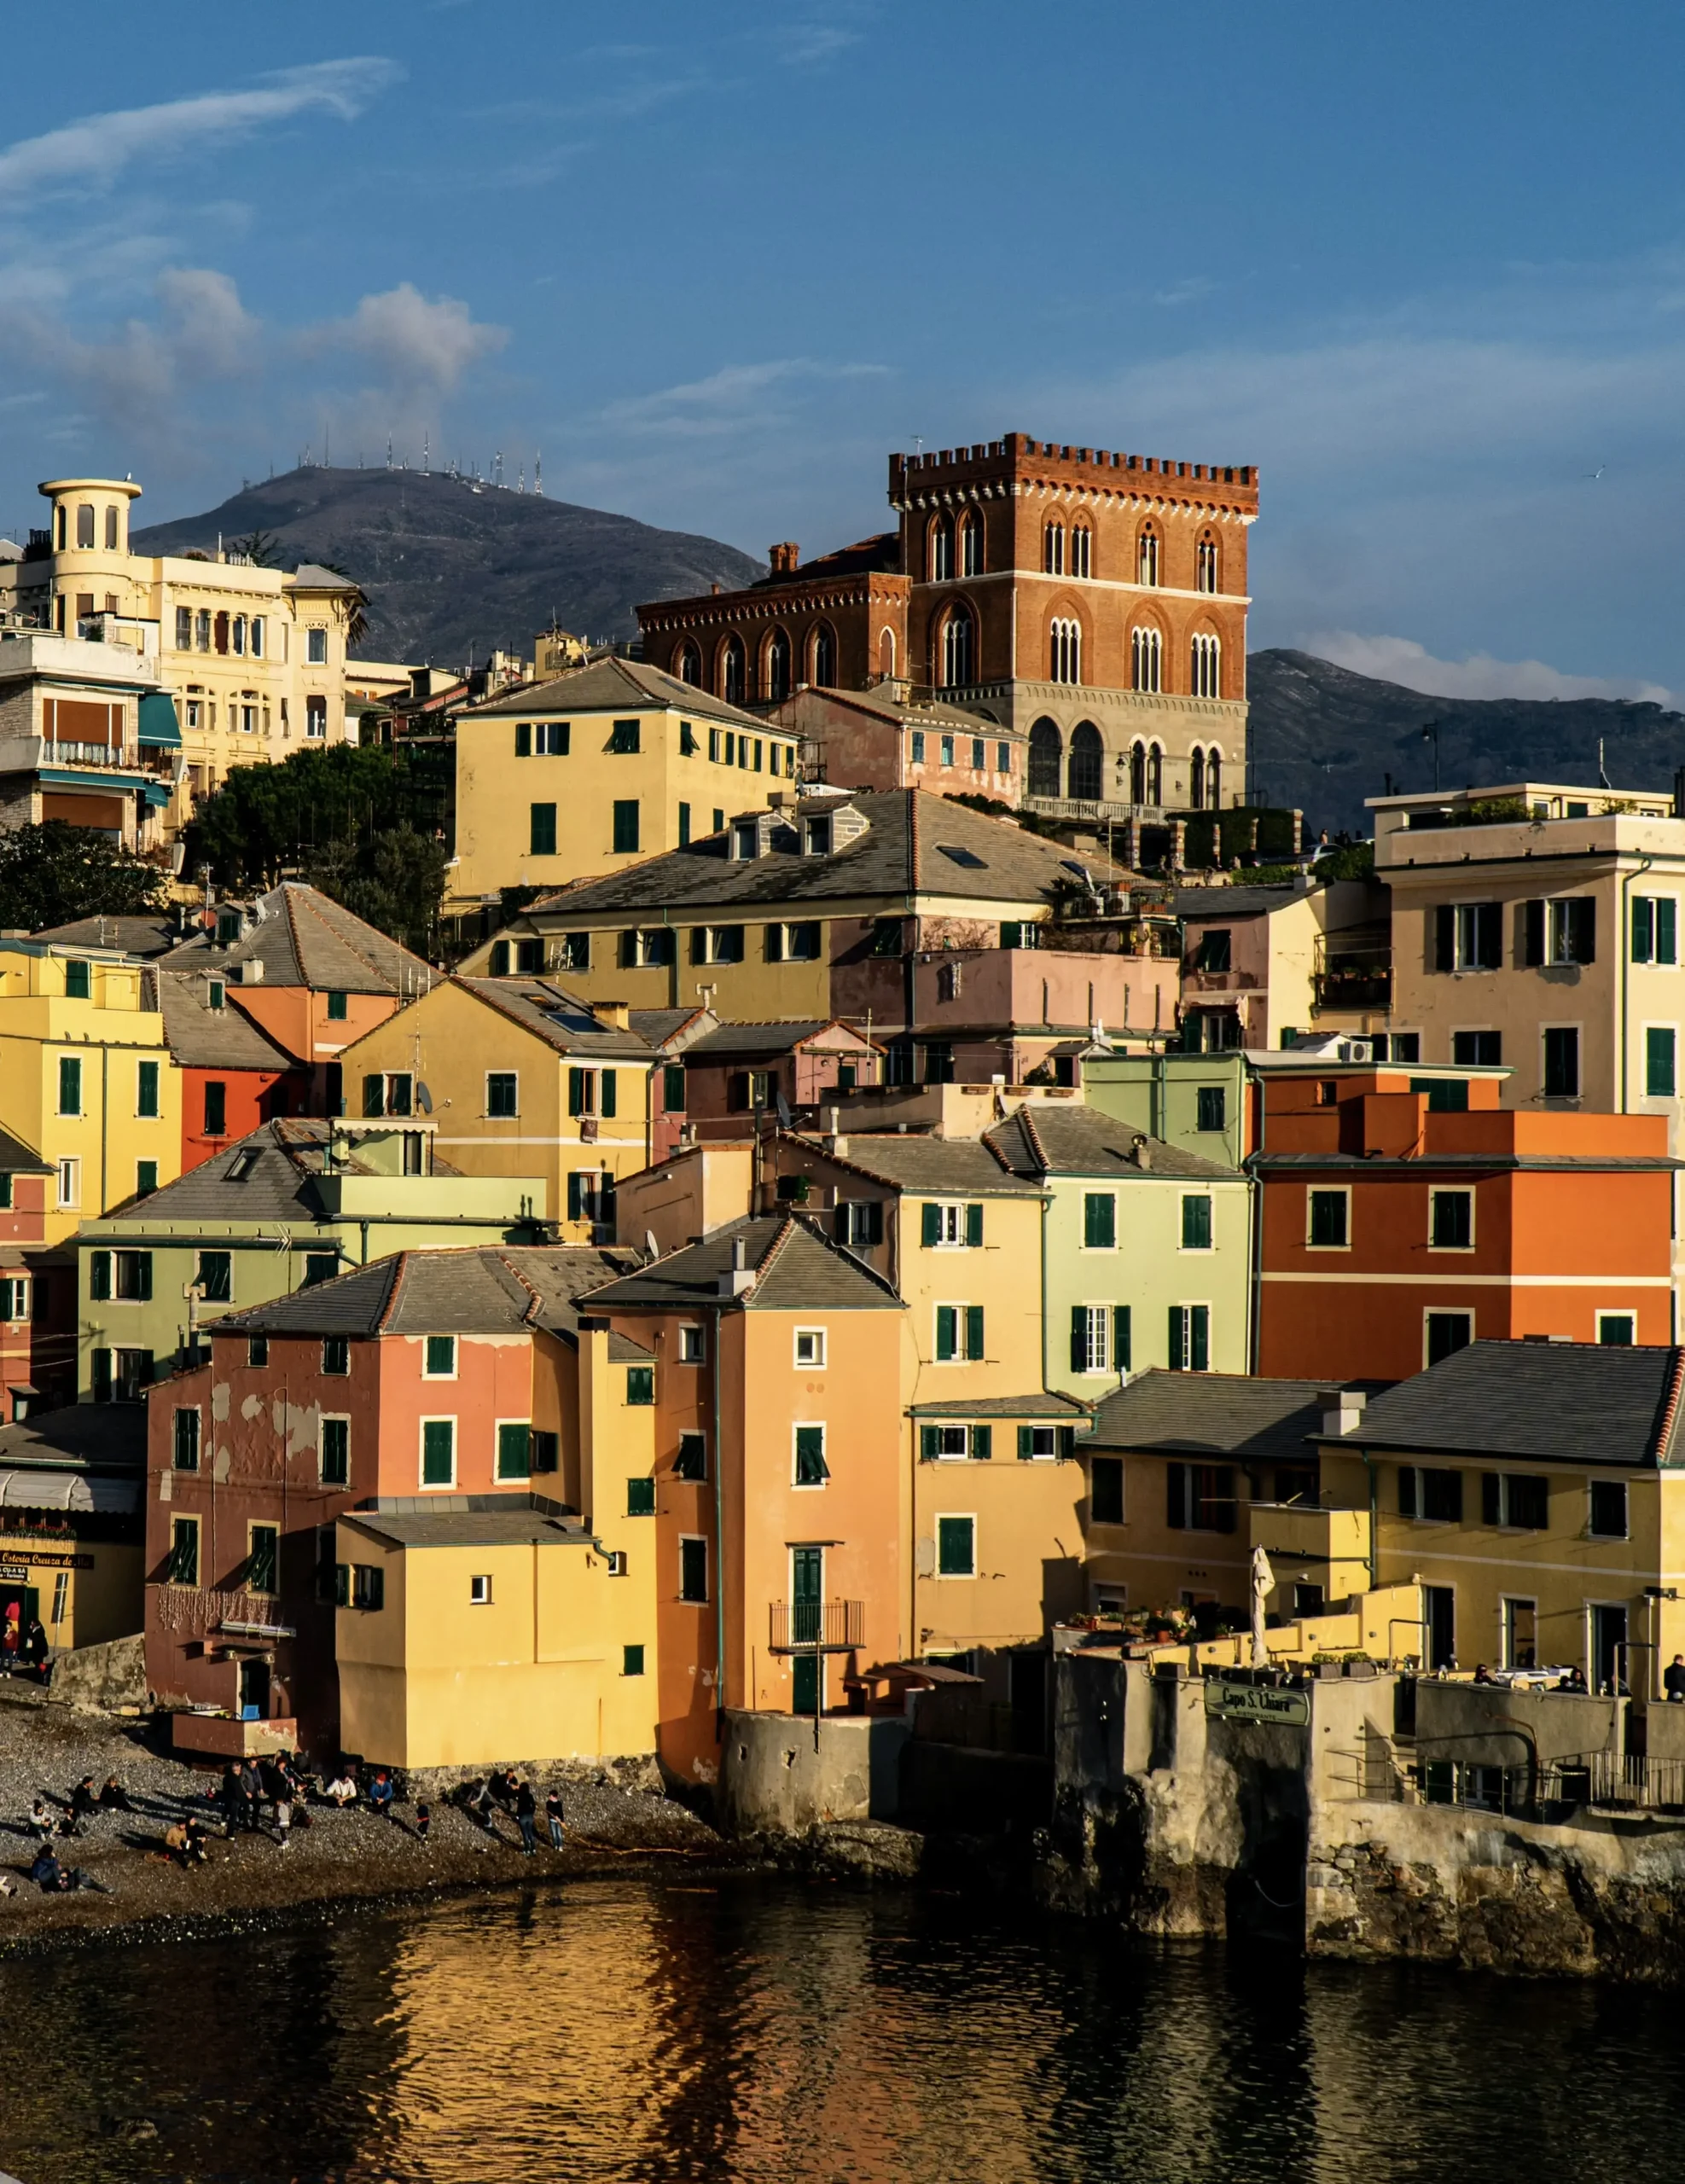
column 341, row 1791
column 49, row 1875
column 185, row 1843
column 84, row 1799
column 43, row 1820
column 381, row 1794
column 114, row 1797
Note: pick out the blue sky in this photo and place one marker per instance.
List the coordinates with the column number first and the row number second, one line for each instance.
column 1425, row 266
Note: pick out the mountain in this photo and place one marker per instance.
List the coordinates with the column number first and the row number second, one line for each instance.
column 452, row 569
column 1324, row 738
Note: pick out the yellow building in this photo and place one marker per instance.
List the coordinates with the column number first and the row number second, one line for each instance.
column 610, row 763
column 253, row 658
column 71, row 1482
column 522, row 1079
column 85, row 1076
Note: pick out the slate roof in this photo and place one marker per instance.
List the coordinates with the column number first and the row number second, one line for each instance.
column 1211, row 1414
column 905, row 849
column 949, row 1167
column 302, row 937
column 442, row 1525
column 562, row 1021
column 91, row 1436
column 767, row 1038
column 799, row 1270
column 1560, row 1402
column 139, row 936
column 1044, row 1137
column 203, row 1037
column 1046, row 1404
column 611, row 686
column 274, row 1186
column 904, row 713
column 1234, row 902
column 879, row 555
column 17, row 1160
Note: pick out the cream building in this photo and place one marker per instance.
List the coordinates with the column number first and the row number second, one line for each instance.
column 254, row 659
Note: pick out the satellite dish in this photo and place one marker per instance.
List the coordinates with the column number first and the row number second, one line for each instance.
column 651, row 1247
column 424, row 1099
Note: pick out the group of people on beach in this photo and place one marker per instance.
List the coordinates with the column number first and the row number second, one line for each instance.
column 24, row 1647
column 509, row 1793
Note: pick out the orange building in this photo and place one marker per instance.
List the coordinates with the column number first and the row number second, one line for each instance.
column 234, row 1078
column 1397, row 1227
column 27, row 1345
column 781, row 1500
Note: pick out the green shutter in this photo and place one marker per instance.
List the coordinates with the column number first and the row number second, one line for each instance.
column 947, row 1333
column 1200, row 1339
column 523, row 739
column 99, row 1275
column 982, row 1442
column 930, row 1444
column 640, row 1497
column 1176, row 1361
column 930, row 1225
column 609, row 1078
column 1667, row 914
column 974, row 1331
column 515, row 1452
column 1067, row 1442
column 374, row 1096
column 1026, row 1443
column 1100, row 1221
column 438, row 1452
column 974, row 1227
column 1079, row 1339
column 1120, row 1338
column 576, row 1091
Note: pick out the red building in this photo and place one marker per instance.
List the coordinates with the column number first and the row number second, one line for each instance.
column 734, row 1077
column 1397, row 1227
column 233, row 1077
column 26, row 1345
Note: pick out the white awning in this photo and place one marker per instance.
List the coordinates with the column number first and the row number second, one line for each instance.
column 69, row 1490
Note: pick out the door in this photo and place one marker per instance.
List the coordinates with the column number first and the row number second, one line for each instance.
column 1439, row 1608
column 807, row 1595
column 254, row 1691
column 1520, row 1634
column 1608, row 1644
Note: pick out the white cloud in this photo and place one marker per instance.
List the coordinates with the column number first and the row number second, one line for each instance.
column 88, row 156
column 1403, row 660
column 412, row 342
column 730, row 398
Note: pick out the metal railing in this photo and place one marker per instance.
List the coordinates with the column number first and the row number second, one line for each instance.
column 80, row 754
column 1609, row 1778
column 817, row 1626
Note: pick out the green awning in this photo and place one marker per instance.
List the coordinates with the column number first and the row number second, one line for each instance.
column 158, row 795
column 159, row 726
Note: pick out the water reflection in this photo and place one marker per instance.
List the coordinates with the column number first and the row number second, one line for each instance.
column 766, row 2031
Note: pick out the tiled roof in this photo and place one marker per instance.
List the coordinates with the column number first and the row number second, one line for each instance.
column 140, row 937
column 271, row 1182
column 1046, row 1404
column 560, row 1019
column 878, row 703
column 914, row 844
column 93, row 1437
column 203, row 1037
column 474, row 1520
column 1550, row 1402
column 798, row 1270
column 952, row 1167
column 1234, row 902
column 609, row 686
column 476, row 1290
column 1211, row 1414
column 765, row 1038
column 17, row 1160
column 302, row 937
column 1066, row 1139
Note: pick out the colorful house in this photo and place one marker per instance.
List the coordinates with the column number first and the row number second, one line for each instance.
column 233, row 1077
column 26, row 1348
column 739, row 1076
column 71, row 1524
column 80, row 736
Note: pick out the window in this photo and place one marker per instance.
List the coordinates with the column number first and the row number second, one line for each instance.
column 146, row 1178
column 589, row 1195
column 216, row 992
column 1450, row 1220
column 545, row 1448
column 99, row 1275
column 215, row 1109
column 1190, row 1338
column 146, row 1088
column 1196, row 1224
column 1147, row 663
column 1211, row 1104
column 134, row 1376
column 1328, row 1225
column 368, row 1587
column 1052, row 550
column 692, row 1569
column 1205, row 666
column 202, row 629
column 1099, row 1338
column 134, row 1276
column 1082, row 550
column 811, row 1469
column 1468, row 936
column 502, row 1093
column 439, row 1360
column 438, row 1451
column 1520, row 1634
column 262, row 1558
column 885, row 936
column 480, row 1592
column 541, row 841
column 959, row 658
column 716, row 943
column 1147, row 558
column 315, row 647
column 215, row 1277
column 1655, row 929
column 1517, row 1501
column 950, row 1227
column 1619, row 1328
column 810, row 1346
column 1199, row 1497
column 625, row 827
column 183, row 1567
column 1106, row 1490
column 1476, row 1049
column 76, row 984
column 860, row 1223
column 624, row 736
column 183, row 629
column 15, row 1298
column 1065, row 647
column 1562, row 1062
column 335, row 1451
column 959, row 1333
column 575, row 953
column 631, row 1660
column 70, row 1084
column 1205, row 568
column 1431, row 1496
column 257, row 1349
column 957, row 1546
column 971, row 546
column 185, row 1451
column 336, row 1355
column 1660, row 1074
column 85, row 526
column 1100, row 1221
column 692, row 1459
column 1445, row 1333
column 1608, row 1517
column 918, row 758
column 320, row 1266
column 684, row 826
column 943, row 1444
column 1561, row 930
column 640, row 1384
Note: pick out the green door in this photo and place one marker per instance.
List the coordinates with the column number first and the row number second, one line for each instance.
column 807, row 1587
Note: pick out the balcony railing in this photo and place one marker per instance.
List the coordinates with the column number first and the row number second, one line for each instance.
column 1354, row 984
column 81, row 754
column 817, row 1626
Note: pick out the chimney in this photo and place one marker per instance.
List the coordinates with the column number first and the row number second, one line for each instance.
column 739, row 1277
column 1342, row 1410
column 612, row 1015
column 785, row 558
column 1142, row 1150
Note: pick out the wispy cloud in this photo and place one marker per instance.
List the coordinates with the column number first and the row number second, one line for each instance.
column 1402, row 659
column 89, row 155
column 735, row 395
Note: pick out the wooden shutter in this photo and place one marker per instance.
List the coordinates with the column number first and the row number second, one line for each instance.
column 946, row 1323
column 1079, row 1339
column 1067, row 1442
column 605, row 1099
column 974, row 1227
column 974, row 1331
column 1176, row 1339
column 1198, row 1337
column 930, row 1224
column 1026, row 1443
column 1445, row 937
column 1120, row 1338
column 1176, row 1496
column 930, row 1442
column 1532, row 931
column 1489, row 936
column 982, row 1442
column 1490, row 1493
column 1407, row 1490
column 1225, row 1512
column 1581, row 929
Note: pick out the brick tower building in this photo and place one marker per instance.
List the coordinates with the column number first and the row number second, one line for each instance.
column 1093, row 603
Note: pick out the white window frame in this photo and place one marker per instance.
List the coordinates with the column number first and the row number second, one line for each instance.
column 1506, row 1600
column 953, row 1516
column 815, row 1337
column 425, row 1485
column 315, row 646
column 427, row 1374
column 70, row 1184
column 1466, row 936
column 962, row 1453
column 1098, row 1315
column 1440, row 1190
column 692, row 1344
column 950, row 1213
column 809, row 1425
column 1629, row 1314
column 1328, row 1190
column 700, row 1539
column 1050, row 1454
column 479, row 1591
column 1186, row 1305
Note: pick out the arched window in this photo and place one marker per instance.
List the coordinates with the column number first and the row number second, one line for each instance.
column 689, row 665
column 1205, row 563
column 941, row 549
column 1214, row 781
column 1046, row 750
column 1138, row 773
column 959, row 649
column 777, row 667
column 1052, row 550
column 1082, row 550
column 970, row 545
column 1196, row 779
column 1155, row 775
column 1205, row 667
column 1146, row 559
column 731, row 671
column 1088, row 762
column 886, row 652
column 1146, row 658
column 1065, row 651
column 822, row 656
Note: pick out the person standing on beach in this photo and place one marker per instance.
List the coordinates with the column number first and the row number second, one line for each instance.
column 527, row 1814
column 555, row 1815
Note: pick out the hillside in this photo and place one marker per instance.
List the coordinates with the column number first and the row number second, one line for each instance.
column 451, row 571
column 1324, row 738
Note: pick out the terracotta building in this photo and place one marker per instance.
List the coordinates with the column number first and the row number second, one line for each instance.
column 1092, row 602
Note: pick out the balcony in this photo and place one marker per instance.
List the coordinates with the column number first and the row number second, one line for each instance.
column 816, row 1626
column 83, row 754
column 1362, row 981
column 1329, row 1547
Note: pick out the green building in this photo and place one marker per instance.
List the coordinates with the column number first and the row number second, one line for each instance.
column 1196, row 1102
column 1146, row 1248
column 297, row 1202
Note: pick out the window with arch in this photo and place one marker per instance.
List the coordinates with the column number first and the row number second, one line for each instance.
column 959, row 649
column 1155, row 775
column 1087, row 769
column 1065, row 650
column 1137, row 773
column 1214, row 780
column 1205, row 666
column 1082, row 550
column 689, row 665
column 731, row 671
column 777, row 667
column 886, row 652
column 1047, row 749
column 970, row 545
column 111, row 531
column 1147, row 557
column 941, row 549
column 1052, row 550
column 1196, row 779
column 822, row 656
column 1206, row 570
column 1147, row 660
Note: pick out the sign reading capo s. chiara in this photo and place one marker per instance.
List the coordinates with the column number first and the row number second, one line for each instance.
column 1257, row 1702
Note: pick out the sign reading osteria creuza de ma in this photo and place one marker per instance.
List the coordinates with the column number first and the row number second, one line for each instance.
column 1257, row 1702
